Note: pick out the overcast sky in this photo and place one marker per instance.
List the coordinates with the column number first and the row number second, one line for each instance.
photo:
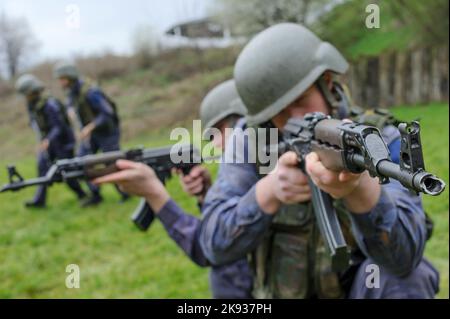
column 102, row 24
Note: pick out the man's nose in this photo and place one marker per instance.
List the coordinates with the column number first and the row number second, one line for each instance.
column 295, row 112
column 217, row 141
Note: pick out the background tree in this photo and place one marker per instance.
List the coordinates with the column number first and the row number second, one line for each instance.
column 403, row 25
column 251, row 16
column 16, row 43
column 145, row 42
column 428, row 18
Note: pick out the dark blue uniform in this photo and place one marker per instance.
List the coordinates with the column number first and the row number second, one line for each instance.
column 106, row 135
column 231, row 280
column 61, row 142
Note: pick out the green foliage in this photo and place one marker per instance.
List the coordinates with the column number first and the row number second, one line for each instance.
column 403, row 24
column 434, row 123
column 427, row 19
column 252, row 16
column 118, row 261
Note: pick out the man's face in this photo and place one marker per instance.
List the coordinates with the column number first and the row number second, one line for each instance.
column 64, row 82
column 32, row 97
column 219, row 140
column 310, row 101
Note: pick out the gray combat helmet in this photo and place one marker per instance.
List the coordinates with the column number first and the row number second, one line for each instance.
column 28, row 83
column 222, row 101
column 66, row 69
column 278, row 65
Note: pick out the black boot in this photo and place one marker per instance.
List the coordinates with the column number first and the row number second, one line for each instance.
column 82, row 198
column 91, row 201
column 39, row 198
column 34, row 204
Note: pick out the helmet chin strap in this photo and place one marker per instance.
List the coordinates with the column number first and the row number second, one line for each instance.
column 335, row 98
column 330, row 98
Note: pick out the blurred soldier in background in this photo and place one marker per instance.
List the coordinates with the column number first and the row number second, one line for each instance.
column 96, row 114
column 220, row 109
column 48, row 119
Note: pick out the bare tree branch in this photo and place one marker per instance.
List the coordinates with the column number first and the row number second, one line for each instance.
column 16, row 41
column 250, row 16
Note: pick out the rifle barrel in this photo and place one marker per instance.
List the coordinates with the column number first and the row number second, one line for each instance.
column 420, row 181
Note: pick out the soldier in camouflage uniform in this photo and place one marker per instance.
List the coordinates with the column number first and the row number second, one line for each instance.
column 96, row 114
column 56, row 139
column 283, row 72
column 220, row 109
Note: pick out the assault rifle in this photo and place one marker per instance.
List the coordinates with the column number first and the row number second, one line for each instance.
column 354, row 147
column 162, row 160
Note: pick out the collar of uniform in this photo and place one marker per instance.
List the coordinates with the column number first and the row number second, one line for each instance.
column 37, row 104
column 42, row 101
column 76, row 87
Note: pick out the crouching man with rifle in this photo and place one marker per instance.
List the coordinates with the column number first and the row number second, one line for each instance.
column 320, row 225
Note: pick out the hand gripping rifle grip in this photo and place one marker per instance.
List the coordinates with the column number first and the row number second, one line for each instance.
column 143, row 216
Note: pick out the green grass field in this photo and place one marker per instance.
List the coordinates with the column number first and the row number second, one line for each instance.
column 118, row 261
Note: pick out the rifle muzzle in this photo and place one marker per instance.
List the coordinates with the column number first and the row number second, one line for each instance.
column 430, row 184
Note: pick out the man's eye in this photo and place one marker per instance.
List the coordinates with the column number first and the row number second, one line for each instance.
column 302, row 98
